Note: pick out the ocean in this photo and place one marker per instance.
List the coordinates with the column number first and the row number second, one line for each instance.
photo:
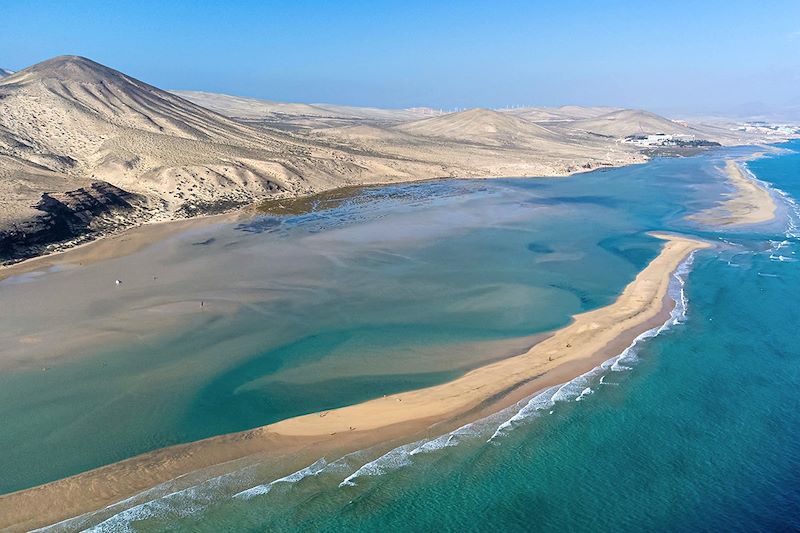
column 694, row 428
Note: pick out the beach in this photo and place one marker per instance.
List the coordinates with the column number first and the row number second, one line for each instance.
column 591, row 338
column 750, row 203
column 115, row 245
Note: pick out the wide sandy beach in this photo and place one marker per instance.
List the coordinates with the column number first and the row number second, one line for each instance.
column 591, row 338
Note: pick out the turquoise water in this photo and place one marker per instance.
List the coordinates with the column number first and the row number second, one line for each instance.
column 697, row 428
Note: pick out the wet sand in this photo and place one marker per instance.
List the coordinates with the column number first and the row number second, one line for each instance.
column 115, row 245
column 591, row 338
column 750, row 203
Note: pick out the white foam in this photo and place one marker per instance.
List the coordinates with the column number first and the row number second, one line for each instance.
column 391, row 460
column 446, row 440
column 154, row 502
column 584, row 393
column 792, row 230
column 540, row 402
column 311, row 470
column 180, row 504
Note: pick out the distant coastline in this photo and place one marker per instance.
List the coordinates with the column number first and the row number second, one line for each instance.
column 750, row 203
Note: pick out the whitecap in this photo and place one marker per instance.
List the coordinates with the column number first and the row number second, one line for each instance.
column 311, row 470
column 584, row 393
column 391, row 460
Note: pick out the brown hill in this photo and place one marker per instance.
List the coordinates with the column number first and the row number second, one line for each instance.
column 84, row 147
column 86, row 122
column 625, row 122
column 298, row 115
column 558, row 114
column 69, row 122
column 482, row 126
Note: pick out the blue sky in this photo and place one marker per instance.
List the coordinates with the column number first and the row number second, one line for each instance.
column 667, row 55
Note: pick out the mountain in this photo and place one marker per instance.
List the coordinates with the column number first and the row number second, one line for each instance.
column 558, row 114
column 480, row 125
column 482, row 143
column 5, row 72
column 625, row 122
column 86, row 149
column 280, row 114
column 69, row 123
column 84, row 121
column 72, row 116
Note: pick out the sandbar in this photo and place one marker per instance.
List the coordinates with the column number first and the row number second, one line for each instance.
column 750, row 203
column 589, row 339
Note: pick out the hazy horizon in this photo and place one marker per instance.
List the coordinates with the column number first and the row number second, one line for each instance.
column 721, row 57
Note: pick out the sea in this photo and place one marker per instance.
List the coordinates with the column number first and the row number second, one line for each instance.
column 695, row 427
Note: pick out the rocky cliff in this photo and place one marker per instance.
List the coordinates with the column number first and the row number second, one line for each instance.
column 72, row 217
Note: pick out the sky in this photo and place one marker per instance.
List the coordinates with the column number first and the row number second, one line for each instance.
column 668, row 56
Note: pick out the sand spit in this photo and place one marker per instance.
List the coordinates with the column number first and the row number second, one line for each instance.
column 588, row 334
column 750, row 202
column 591, row 338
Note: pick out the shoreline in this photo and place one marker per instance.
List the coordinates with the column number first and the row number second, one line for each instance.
column 591, row 338
column 749, row 203
column 137, row 236
column 114, row 245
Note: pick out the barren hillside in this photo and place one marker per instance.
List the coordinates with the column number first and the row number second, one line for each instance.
column 297, row 115
column 625, row 122
column 85, row 149
column 557, row 114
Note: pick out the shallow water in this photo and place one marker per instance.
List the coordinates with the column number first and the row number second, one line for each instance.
column 413, row 286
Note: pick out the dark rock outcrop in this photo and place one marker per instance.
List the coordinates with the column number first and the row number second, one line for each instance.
column 73, row 216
